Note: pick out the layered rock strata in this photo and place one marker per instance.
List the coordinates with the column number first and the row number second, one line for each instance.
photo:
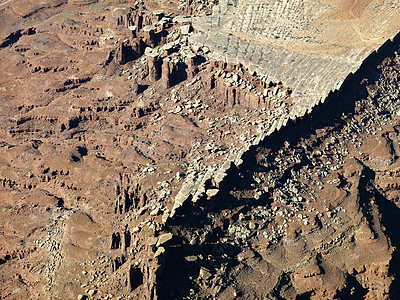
column 311, row 46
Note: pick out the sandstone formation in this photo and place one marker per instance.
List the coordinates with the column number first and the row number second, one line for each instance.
column 140, row 159
column 311, row 46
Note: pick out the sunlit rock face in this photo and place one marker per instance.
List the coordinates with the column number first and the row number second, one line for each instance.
column 311, row 46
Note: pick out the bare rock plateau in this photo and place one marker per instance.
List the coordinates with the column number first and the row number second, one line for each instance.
column 232, row 149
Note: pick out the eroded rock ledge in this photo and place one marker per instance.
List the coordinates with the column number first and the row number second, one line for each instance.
column 117, row 128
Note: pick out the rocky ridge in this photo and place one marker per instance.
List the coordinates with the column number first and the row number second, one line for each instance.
column 101, row 122
column 120, row 138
